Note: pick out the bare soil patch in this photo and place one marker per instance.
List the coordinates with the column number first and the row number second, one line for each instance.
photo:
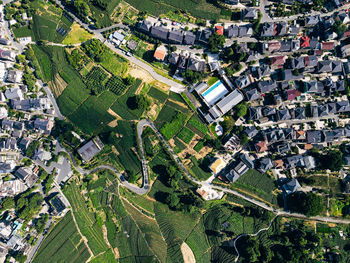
column 187, row 253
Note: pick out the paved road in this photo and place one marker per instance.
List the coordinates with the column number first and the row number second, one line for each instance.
column 52, row 98
column 35, row 248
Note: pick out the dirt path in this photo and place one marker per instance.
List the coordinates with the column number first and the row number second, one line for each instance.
column 83, row 237
column 187, row 253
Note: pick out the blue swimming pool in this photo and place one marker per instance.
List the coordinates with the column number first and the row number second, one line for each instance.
column 215, row 85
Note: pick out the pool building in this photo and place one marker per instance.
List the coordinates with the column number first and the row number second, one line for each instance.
column 219, row 98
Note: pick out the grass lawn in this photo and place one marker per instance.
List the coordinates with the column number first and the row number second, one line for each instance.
column 185, row 135
column 76, row 35
column 114, row 63
column 23, row 31
column 212, row 80
column 63, row 244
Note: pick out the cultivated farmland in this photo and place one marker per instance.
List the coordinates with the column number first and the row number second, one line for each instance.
column 63, row 244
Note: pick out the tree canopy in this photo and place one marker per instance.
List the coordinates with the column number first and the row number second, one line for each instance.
column 309, row 203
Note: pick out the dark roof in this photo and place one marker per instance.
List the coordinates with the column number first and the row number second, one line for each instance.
column 267, row 86
column 160, row 32
column 253, row 94
column 144, row 26
column 189, row 38
column 204, row 35
column 195, row 65
column 232, row 31
column 173, row 58
column 314, row 136
column 176, row 36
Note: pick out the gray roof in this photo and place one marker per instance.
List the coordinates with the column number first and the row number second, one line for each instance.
column 292, row 186
column 343, row 106
column 267, row 86
column 160, row 32
column 286, row 46
column 145, row 26
column 195, row 65
column 268, row 29
column 255, row 113
column 246, row 159
column 299, row 113
column 232, row 31
column 314, row 136
column 176, row 36
column 90, row 149
column 310, row 61
column 231, row 100
column 251, row 131
column 283, row 115
column 265, row 164
column 204, row 35
column 189, row 38
column 312, row 20
column 173, row 58
column 298, row 63
column 268, row 111
column 253, row 94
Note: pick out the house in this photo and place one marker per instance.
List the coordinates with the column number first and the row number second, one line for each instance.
column 232, row 31
column 24, row 143
column 217, row 165
column 253, row 94
column 132, row 45
column 345, row 50
column 245, row 31
column 7, row 55
column 283, row 115
column 298, row 63
column 173, row 58
column 329, row 66
column 90, row 149
column 243, row 81
column 189, row 38
column 14, row 76
column 312, row 20
column 145, row 26
column 160, row 53
column 286, row 46
column 4, row 41
column 282, row 28
column 159, row 32
column 299, row 113
column 292, row 94
column 261, row 146
column 58, row 204
column 14, row 94
column 269, row 29
column 255, row 113
column 310, row 61
column 246, row 159
column 219, row 30
column 327, row 46
column 249, row 14
column 196, row 64
column 344, row 18
column 274, row 46
column 251, row 131
column 265, row 164
column 294, row 30
column 204, row 35
column 261, row 71
column 278, row 61
column 43, row 125
column 316, row 136
column 42, row 155
column 232, row 143
column 292, row 186
column 176, row 37
column 269, row 111
column 343, row 106
column 3, row 113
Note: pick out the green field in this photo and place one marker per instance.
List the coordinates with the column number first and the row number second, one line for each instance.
column 92, row 116
column 120, row 106
column 201, row 8
column 157, row 94
column 113, row 63
column 171, row 128
column 86, row 219
column 258, row 184
column 63, row 244
column 47, row 20
column 185, row 135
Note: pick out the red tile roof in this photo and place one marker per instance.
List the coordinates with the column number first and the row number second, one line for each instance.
column 261, row 146
column 292, row 94
column 305, row 41
column 219, row 30
column 327, row 46
column 279, row 60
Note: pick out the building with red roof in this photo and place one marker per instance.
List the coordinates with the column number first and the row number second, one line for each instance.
column 327, row 46
column 261, row 146
column 292, row 94
column 219, row 30
column 278, row 61
column 305, row 42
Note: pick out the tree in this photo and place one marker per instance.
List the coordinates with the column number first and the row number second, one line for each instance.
column 132, row 177
column 7, row 203
column 333, row 160
column 309, row 203
column 216, row 42
column 173, row 200
column 241, row 109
